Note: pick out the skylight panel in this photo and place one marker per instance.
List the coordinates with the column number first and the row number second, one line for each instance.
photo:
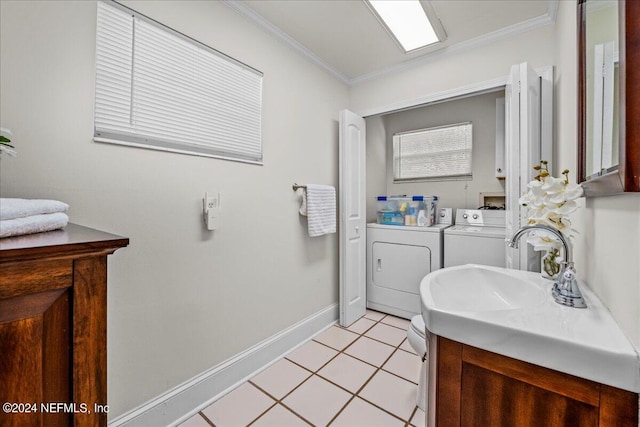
column 407, row 22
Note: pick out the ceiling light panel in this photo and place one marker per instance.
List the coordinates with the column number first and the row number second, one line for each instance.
column 407, row 22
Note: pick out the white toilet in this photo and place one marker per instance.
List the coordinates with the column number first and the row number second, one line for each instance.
column 417, row 339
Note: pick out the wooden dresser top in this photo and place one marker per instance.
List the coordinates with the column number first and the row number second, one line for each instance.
column 73, row 240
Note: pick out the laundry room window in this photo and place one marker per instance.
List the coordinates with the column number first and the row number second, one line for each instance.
column 158, row 88
column 437, row 153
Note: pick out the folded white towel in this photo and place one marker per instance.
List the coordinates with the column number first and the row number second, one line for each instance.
column 319, row 206
column 33, row 224
column 21, row 208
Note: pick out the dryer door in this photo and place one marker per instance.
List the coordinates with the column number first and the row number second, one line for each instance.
column 396, row 272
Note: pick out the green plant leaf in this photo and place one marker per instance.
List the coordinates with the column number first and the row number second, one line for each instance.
column 4, row 139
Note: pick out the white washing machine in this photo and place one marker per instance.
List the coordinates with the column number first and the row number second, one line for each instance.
column 477, row 238
column 398, row 257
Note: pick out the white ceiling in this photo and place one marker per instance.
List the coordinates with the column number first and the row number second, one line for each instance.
column 345, row 37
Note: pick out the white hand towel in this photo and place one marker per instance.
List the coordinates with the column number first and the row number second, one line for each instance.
column 21, row 208
column 303, row 206
column 320, row 209
column 33, row 224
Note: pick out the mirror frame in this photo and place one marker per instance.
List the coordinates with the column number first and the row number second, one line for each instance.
column 627, row 177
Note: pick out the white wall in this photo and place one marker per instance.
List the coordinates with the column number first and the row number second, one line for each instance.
column 181, row 299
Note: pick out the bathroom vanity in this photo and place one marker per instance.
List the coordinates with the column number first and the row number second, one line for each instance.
column 502, row 352
column 479, row 388
column 53, row 327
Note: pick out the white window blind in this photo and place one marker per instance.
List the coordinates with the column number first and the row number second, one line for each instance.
column 435, row 153
column 156, row 88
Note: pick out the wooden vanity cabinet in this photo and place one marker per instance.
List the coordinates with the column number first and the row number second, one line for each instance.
column 475, row 388
column 53, row 330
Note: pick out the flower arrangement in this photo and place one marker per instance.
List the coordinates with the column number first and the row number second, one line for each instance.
column 5, row 142
column 550, row 201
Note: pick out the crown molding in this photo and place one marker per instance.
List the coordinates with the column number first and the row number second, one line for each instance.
column 269, row 27
column 548, row 18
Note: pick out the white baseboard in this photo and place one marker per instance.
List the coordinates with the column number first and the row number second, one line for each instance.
column 180, row 403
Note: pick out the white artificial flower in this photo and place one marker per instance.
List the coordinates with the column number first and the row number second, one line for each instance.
column 542, row 241
column 549, row 201
column 535, row 187
column 565, row 208
column 6, row 133
column 10, row 151
column 6, row 147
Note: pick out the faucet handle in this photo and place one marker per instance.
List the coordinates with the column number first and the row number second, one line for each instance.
column 566, row 291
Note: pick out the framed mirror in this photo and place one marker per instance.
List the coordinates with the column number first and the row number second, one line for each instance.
column 609, row 96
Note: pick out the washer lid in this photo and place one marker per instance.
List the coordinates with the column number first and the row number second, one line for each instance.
column 470, row 230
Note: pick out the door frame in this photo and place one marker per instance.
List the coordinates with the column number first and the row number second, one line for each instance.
column 546, row 99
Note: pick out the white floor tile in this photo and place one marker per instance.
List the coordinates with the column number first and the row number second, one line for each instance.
column 397, row 322
column 317, row 400
column 304, row 398
column 387, row 334
column 370, row 351
column 406, row 346
column 280, row 378
column 404, row 364
column 359, row 413
column 419, row 419
column 374, row 315
column 195, row 421
column 391, row 393
column 336, row 337
column 361, row 325
column 279, row 416
column 347, row 372
column 312, row 355
column 239, row 407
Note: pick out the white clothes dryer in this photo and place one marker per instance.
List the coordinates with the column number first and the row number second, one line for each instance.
column 477, row 238
column 398, row 258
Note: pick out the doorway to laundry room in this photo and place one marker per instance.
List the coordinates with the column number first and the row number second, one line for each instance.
column 509, row 127
column 456, row 189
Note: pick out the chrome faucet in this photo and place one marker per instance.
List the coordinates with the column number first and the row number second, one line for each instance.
column 565, row 290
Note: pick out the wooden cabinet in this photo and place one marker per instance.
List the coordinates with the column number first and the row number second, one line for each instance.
column 53, row 330
column 475, row 387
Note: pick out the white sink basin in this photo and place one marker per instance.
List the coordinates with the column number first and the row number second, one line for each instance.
column 512, row 312
column 482, row 289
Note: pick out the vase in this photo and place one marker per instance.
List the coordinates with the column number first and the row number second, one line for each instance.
column 550, row 265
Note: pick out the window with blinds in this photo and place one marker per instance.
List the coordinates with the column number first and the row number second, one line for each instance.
column 437, row 153
column 156, row 88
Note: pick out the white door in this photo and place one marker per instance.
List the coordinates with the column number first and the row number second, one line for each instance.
column 353, row 286
column 523, row 148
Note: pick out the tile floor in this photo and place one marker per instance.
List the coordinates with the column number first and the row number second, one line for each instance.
column 365, row 375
